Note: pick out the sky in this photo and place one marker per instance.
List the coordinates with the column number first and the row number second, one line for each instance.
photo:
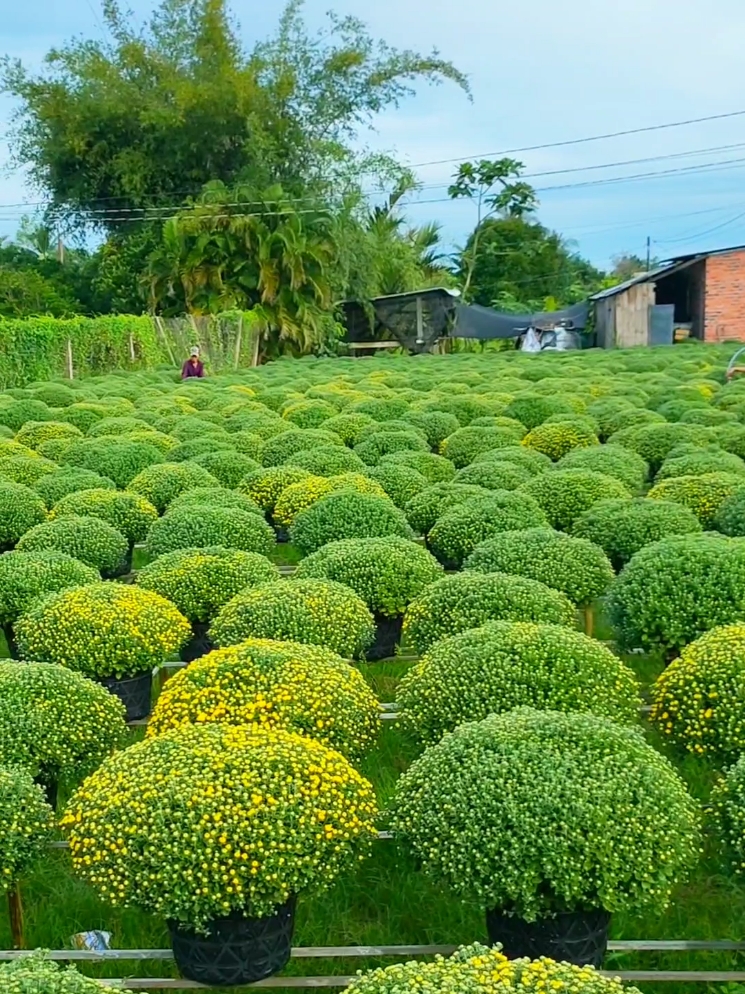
column 541, row 73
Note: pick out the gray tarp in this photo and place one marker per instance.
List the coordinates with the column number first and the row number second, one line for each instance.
column 474, row 321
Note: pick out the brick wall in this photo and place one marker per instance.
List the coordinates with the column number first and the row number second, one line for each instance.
column 725, row 297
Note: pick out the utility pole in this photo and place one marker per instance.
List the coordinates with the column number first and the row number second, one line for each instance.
column 649, row 252
column 60, row 251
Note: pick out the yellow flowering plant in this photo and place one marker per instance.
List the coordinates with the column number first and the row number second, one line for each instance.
column 305, row 493
column 20, row 510
column 314, row 612
column 91, row 540
column 704, row 495
column 56, row 724
column 207, row 820
column 26, row 824
column 103, row 630
column 26, row 470
column 35, row 433
column 557, row 438
column 477, row 969
column 566, row 493
column 129, row 513
column 276, row 684
column 26, row 576
column 69, row 480
column 34, row 974
column 161, row 483
column 264, row 486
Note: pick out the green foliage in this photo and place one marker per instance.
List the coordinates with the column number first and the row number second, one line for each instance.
column 119, row 460
column 328, row 460
column 56, row 724
column 699, row 700
column 347, row 514
column 265, row 486
column 282, row 448
column 510, row 664
column 654, row 442
column 714, row 460
column 558, row 812
column 423, row 510
column 730, row 518
column 91, row 540
column 533, row 409
column 556, row 439
column 728, row 808
column 309, row 413
column 382, row 443
column 200, row 582
column 400, row 482
column 434, row 468
column 34, row 433
column 20, row 511
column 28, row 576
column 130, row 513
column 568, row 493
column 622, row 527
column 314, row 612
column 160, row 484
column 214, row 497
column 26, row 470
column 575, row 566
column 611, row 460
column 493, row 475
column 535, row 462
column 466, row 444
column 676, row 590
column 69, row 480
column 33, row 974
column 470, row 600
column 387, row 573
column 704, row 495
column 102, row 630
column 227, row 467
column 348, row 425
column 436, row 425
column 226, row 526
column 460, row 529
column 26, row 824
column 303, row 688
column 299, row 496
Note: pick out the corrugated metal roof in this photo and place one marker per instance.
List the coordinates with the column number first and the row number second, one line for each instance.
column 655, row 274
column 705, row 255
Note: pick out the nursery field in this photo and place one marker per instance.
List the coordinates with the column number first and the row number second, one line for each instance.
column 270, row 597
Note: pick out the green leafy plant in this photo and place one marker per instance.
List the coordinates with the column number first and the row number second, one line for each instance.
column 27, row 576
column 704, row 495
column 423, row 510
column 56, row 724
column 470, row 600
column 185, row 528
column 232, row 769
column 314, row 612
column 26, row 470
column 558, row 812
column 386, row 573
column 528, row 459
column 211, row 497
column 102, row 630
column 305, row 688
column 566, row 493
column 434, row 468
column 505, row 665
column 533, row 409
column 299, row 496
column 493, row 475
column 347, row 514
column 70, row 480
column 226, row 466
column 92, row 541
column 118, row 459
column 162, row 483
column 35, row 433
column 466, row 444
column 328, row 460
column 400, row 483
column 200, row 582
column 265, row 485
column 556, row 439
column 348, row 426
column 460, row 529
column 622, row 527
column 654, row 442
column 130, row 513
column 26, row 824
column 309, row 413
column 377, row 444
column 575, row 566
column 20, row 510
column 436, row 425
column 611, row 460
column 282, row 448
column 34, row 974
column 700, row 462
column 728, row 810
column 17, row 414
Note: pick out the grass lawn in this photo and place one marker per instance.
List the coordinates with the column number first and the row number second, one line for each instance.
column 386, row 901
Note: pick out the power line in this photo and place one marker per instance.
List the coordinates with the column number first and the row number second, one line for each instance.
column 699, row 234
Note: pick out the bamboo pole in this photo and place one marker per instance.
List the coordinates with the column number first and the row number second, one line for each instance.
column 256, row 348
column 159, row 325
column 131, row 348
column 15, row 912
column 70, row 370
column 237, row 361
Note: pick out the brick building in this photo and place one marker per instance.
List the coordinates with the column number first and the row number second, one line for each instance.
column 700, row 296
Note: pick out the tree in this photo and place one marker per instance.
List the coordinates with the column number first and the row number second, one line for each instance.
column 25, row 293
column 627, row 265
column 122, row 131
column 497, row 190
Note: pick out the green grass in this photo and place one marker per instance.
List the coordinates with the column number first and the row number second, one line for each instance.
column 387, row 900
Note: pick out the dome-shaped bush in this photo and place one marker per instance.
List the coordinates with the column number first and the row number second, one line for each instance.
column 309, row 413
column 622, row 527
column 226, row 466
column 20, row 510
column 198, row 447
column 34, row 973
column 55, row 394
column 567, row 493
column 400, row 483
column 110, row 427
column 26, row 827
column 26, row 576
column 708, row 416
column 466, row 444
column 555, row 439
column 730, row 518
column 348, row 426
column 314, row 612
column 347, row 514
column 676, row 590
column 728, row 808
column 704, row 495
column 83, row 415
column 16, row 415
column 381, row 443
column 423, row 510
column 466, row 409
column 387, row 573
column 458, row 531
column 534, row 462
column 436, row 425
column 265, row 486
column 611, row 460
column 129, row 513
column 493, row 475
column 200, row 582
column 282, row 448
column 304, row 688
column 507, row 664
column 533, row 409
column 381, row 408
column 56, row 724
column 90, row 540
column 103, row 630
column 698, row 462
column 699, row 700
column 434, row 468
column 9, row 447
column 328, row 460
column 470, row 600
column 299, row 496
column 117, row 459
column 163, row 483
column 536, row 812
column 26, row 470
column 654, row 442
column 187, row 528
column 69, row 480
column 211, row 497
column 35, row 433
column 576, row 567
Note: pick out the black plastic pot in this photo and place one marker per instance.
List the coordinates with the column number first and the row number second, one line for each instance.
column 282, row 534
column 387, row 637
column 237, row 950
column 134, row 693
column 199, row 644
column 50, row 788
column 579, row 937
column 10, row 638
column 123, row 569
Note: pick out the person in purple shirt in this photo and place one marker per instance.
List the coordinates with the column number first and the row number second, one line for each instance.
column 193, row 365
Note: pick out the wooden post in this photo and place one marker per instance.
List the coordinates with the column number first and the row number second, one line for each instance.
column 159, row 325
column 131, row 347
column 419, row 321
column 70, row 370
column 15, row 911
column 256, row 348
column 589, row 620
column 238, row 343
